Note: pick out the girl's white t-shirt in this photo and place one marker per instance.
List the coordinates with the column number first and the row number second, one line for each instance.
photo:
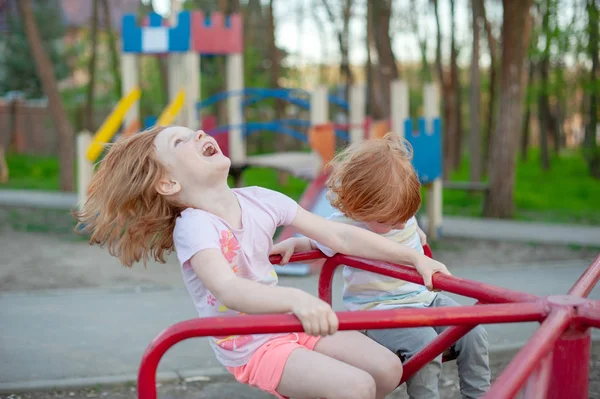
column 247, row 251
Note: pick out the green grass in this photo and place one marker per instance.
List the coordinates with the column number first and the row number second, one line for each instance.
column 564, row 194
column 32, row 172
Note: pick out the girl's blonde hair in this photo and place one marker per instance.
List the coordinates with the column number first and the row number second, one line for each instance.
column 123, row 209
column 374, row 181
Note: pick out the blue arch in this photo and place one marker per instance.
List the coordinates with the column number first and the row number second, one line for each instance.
column 297, row 97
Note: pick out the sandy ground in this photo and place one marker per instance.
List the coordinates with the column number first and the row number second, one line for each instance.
column 34, row 261
column 227, row 388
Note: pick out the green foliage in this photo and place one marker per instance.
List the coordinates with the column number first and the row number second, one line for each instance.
column 565, row 193
column 19, row 69
column 32, row 172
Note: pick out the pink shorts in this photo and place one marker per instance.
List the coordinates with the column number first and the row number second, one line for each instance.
column 265, row 367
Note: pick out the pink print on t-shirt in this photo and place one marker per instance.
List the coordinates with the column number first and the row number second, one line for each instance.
column 233, row 341
column 229, row 245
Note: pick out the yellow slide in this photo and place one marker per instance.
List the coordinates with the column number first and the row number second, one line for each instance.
column 111, row 124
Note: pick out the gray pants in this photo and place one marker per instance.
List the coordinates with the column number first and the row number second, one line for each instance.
column 472, row 361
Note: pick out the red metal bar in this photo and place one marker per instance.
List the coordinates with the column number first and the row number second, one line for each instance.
column 571, row 365
column 375, row 319
column 435, row 348
column 474, row 289
column 537, row 385
column 299, row 257
column 523, row 364
column 588, row 279
column 589, row 316
column 326, row 280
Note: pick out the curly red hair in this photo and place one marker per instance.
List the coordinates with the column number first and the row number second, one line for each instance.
column 375, row 181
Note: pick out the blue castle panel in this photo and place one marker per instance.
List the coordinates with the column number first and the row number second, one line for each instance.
column 132, row 35
column 181, row 35
column 156, row 37
column 427, row 147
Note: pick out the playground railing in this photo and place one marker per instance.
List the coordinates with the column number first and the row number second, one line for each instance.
column 553, row 364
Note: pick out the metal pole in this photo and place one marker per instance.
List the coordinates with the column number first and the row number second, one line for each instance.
column 473, row 289
column 523, row 364
column 571, row 365
column 588, row 280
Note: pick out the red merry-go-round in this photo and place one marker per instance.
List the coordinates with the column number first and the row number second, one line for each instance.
column 553, row 364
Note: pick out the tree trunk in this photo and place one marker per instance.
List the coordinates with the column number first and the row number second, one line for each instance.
column 475, row 100
column 89, row 104
column 387, row 71
column 516, row 29
column 526, row 119
column 491, row 108
column 449, row 117
column 456, row 93
column 342, row 34
column 112, row 46
column 425, row 73
column 376, row 105
column 45, row 72
column 591, row 150
column 543, row 101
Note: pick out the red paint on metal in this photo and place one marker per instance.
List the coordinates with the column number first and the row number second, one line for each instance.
column 473, row 289
column 538, row 383
column 570, row 350
column 435, row 348
column 589, row 315
column 570, row 365
column 520, row 368
column 376, row 319
column 588, row 279
column 217, row 38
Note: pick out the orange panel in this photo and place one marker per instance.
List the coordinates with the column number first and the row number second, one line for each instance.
column 379, row 129
column 322, row 141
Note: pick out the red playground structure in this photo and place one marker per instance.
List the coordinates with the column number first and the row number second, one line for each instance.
column 553, row 364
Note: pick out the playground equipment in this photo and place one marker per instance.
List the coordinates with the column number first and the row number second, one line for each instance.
column 193, row 35
column 553, row 364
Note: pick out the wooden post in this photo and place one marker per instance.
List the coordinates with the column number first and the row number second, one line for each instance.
column 191, row 61
column 319, row 112
column 129, row 74
column 85, row 169
column 235, row 83
column 399, row 107
column 358, row 94
column 431, row 110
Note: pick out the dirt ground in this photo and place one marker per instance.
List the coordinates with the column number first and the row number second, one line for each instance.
column 227, row 388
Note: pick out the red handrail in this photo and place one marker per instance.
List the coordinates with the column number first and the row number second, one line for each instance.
column 564, row 334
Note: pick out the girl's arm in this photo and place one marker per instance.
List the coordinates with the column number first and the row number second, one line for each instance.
column 352, row 240
column 248, row 296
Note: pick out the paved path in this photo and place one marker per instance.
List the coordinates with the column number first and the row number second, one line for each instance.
column 73, row 337
column 453, row 226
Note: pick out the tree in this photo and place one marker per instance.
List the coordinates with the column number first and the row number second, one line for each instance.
column 112, row 46
column 47, row 77
column 591, row 149
column 89, row 104
column 379, row 45
column 450, row 94
column 516, row 29
column 20, row 73
column 543, row 99
column 475, row 99
column 342, row 30
column 455, row 91
column 491, row 108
